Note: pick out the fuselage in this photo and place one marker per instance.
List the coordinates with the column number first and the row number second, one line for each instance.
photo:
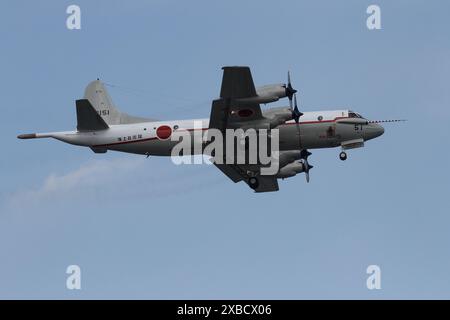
column 318, row 129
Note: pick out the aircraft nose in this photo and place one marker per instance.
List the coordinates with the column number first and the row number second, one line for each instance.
column 379, row 130
column 373, row 130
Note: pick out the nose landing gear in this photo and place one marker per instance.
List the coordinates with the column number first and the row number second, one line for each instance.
column 343, row 156
column 253, row 183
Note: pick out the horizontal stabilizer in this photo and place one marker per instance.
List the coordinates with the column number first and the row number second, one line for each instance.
column 87, row 117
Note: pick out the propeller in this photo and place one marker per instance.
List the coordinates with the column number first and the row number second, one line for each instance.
column 291, row 94
column 306, row 166
column 290, row 91
column 296, row 114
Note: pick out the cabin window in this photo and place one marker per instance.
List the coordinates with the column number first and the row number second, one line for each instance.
column 320, row 118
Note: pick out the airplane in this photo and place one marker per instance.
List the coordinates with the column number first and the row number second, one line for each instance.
column 102, row 127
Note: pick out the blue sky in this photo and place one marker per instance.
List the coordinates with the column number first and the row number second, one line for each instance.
column 145, row 228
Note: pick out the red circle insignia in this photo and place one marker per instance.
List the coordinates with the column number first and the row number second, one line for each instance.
column 163, row 132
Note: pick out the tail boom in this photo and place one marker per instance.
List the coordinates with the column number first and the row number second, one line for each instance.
column 34, row 135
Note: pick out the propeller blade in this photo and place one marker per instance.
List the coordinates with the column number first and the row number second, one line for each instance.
column 295, row 110
column 304, row 154
column 290, row 91
column 306, row 166
column 296, row 114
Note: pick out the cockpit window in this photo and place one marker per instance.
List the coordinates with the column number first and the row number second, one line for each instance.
column 352, row 114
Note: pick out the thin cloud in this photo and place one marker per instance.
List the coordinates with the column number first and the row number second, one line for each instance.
column 89, row 176
column 114, row 178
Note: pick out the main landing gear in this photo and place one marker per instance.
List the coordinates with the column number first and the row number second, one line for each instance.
column 343, row 156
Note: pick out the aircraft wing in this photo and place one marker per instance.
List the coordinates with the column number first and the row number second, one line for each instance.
column 238, row 173
column 238, row 107
column 238, row 100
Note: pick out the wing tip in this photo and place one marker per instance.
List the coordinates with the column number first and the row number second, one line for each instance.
column 235, row 67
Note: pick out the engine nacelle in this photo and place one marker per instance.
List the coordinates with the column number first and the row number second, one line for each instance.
column 278, row 116
column 264, row 94
column 291, row 170
column 272, row 90
column 286, row 157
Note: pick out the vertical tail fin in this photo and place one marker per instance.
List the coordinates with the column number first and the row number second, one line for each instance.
column 99, row 98
column 101, row 101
